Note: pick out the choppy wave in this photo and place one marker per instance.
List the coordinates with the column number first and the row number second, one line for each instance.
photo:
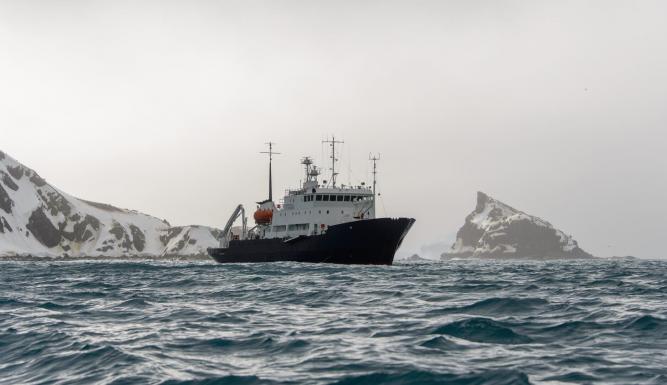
column 483, row 330
column 482, row 323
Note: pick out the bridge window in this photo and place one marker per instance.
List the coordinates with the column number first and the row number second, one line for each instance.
column 325, row 198
column 318, row 197
column 339, row 198
column 347, row 198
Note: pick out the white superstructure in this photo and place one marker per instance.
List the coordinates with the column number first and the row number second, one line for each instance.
column 308, row 210
column 314, row 207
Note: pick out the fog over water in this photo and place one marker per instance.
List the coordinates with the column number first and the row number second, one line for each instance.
column 556, row 108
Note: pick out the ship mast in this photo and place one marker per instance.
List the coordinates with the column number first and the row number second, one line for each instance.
column 374, row 159
column 271, row 154
column 333, row 143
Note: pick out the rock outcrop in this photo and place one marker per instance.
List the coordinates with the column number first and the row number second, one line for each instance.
column 496, row 230
column 38, row 220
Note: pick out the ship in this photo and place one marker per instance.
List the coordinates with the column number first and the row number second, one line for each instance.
column 319, row 222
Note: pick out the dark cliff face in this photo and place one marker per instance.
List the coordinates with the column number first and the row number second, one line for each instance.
column 6, row 202
column 138, row 238
column 469, row 235
column 497, row 230
column 16, row 171
column 8, row 181
column 44, row 231
column 4, row 226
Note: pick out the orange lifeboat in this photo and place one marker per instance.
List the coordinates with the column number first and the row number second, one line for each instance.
column 263, row 217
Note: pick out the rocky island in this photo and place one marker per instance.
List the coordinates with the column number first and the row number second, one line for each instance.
column 497, row 230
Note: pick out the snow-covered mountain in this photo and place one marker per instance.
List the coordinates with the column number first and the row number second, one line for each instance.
column 496, row 230
column 37, row 219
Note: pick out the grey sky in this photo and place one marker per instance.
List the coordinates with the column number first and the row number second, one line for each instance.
column 557, row 108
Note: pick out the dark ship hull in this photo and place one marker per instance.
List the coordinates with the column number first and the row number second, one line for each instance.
column 365, row 242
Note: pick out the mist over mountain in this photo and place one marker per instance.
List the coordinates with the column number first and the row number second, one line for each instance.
column 37, row 219
column 497, row 230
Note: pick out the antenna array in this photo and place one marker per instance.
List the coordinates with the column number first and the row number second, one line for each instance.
column 271, row 154
column 333, row 143
column 374, row 159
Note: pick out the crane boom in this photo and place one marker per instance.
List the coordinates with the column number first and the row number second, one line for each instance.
column 239, row 211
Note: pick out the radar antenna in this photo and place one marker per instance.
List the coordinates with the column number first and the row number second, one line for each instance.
column 271, row 154
column 311, row 169
column 333, row 143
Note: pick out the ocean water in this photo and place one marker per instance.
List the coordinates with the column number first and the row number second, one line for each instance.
column 129, row 322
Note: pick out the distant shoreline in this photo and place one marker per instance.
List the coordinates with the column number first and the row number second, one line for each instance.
column 32, row 258
column 202, row 257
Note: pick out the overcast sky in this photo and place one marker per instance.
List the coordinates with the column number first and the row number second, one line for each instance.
column 558, row 108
